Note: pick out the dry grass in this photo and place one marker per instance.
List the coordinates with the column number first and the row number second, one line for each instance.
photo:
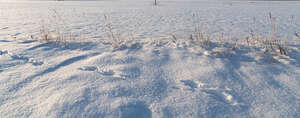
column 112, row 33
column 45, row 33
column 56, row 31
column 271, row 43
column 199, row 38
column 117, row 40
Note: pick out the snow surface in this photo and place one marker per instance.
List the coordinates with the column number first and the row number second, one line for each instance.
column 150, row 77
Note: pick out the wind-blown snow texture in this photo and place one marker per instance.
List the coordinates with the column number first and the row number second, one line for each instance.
column 150, row 79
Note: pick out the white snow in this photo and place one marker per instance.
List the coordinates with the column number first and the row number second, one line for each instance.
column 159, row 71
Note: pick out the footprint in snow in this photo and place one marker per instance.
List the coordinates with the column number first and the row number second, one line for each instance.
column 192, row 85
column 27, row 41
column 107, row 72
column 35, row 62
column 224, row 101
column 121, row 71
column 129, row 72
column 218, row 95
column 19, row 57
column 88, row 68
column 4, row 41
column 16, row 34
column 3, row 52
column 4, row 28
column 27, row 60
column 156, row 52
column 222, row 96
column 135, row 110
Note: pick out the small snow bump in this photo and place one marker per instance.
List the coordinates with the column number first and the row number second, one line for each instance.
column 200, row 84
column 235, row 103
column 227, row 96
column 207, row 53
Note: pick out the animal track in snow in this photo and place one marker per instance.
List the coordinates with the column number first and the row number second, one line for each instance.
column 3, row 52
column 121, row 71
column 88, row 68
column 222, row 95
column 27, row 41
column 27, row 60
column 35, row 62
column 192, row 85
column 3, row 28
column 219, row 94
column 107, row 72
column 17, row 59
column 284, row 59
column 16, row 34
column 135, row 110
column 64, row 63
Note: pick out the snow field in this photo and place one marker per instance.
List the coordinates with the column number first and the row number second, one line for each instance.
column 158, row 71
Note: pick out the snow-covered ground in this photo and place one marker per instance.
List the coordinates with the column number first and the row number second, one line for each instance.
column 160, row 72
